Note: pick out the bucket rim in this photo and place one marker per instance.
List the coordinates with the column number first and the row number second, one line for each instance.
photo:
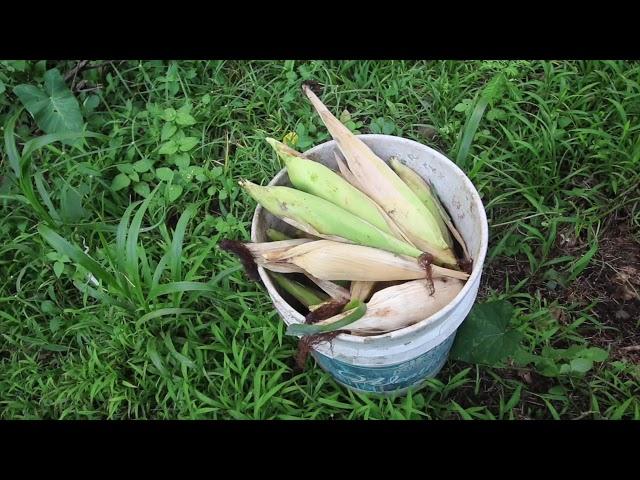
column 478, row 263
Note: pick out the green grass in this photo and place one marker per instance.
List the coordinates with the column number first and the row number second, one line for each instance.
column 176, row 331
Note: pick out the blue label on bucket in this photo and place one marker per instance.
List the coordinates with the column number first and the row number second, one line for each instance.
column 392, row 377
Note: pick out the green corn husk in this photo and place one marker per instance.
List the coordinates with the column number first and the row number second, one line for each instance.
column 276, row 235
column 335, row 291
column 423, row 189
column 424, row 192
column 352, row 312
column 348, row 176
column 319, row 180
column 307, row 296
column 321, row 218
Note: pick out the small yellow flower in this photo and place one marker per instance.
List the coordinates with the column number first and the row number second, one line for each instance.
column 291, row 139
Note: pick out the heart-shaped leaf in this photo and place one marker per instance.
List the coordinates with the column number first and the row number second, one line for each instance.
column 484, row 337
column 90, row 103
column 165, row 174
column 595, row 354
column 168, row 148
column 119, row 182
column 55, row 109
column 58, row 268
column 182, row 160
column 581, row 365
column 173, row 192
column 53, row 256
column 142, row 189
column 187, row 143
column 169, row 114
column 185, row 119
column 125, row 168
column 143, row 165
column 54, row 324
column 167, row 131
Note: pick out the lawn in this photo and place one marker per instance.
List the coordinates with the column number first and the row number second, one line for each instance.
column 116, row 302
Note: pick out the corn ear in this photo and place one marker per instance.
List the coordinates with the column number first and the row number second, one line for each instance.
column 361, row 290
column 321, row 218
column 424, row 192
column 401, row 306
column 276, row 235
column 335, row 291
column 260, row 250
column 330, row 260
column 384, row 187
column 307, row 296
column 393, row 228
column 319, row 180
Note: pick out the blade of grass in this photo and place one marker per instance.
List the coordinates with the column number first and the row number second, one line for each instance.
column 174, row 287
column 144, row 265
column 198, row 261
column 489, row 94
column 44, row 140
column 175, row 252
column 121, row 252
column 131, row 266
column 102, row 296
column 583, row 261
column 77, row 255
column 45, row 196
column 470, row 128
column 162, row 264
column 10, row 143
column 161, row 312
column 121, row 234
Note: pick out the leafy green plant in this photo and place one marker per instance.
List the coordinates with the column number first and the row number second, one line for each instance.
column 354, row 125
column 486, row 338
column 127, row 281
column 172, row 163
column 60, row 260
column 384, row 126
column 556, row 362
column 20, row 163
column 54, row 108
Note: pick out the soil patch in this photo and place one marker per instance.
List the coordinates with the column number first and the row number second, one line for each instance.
column 609, row 286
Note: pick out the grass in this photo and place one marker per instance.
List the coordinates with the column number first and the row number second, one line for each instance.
column 176, row 331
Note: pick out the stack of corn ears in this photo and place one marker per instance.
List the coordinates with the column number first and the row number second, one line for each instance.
column 379, row 226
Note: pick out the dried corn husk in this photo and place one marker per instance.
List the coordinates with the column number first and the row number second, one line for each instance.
column 330, row 260
column 401, row 306
column 361, row 289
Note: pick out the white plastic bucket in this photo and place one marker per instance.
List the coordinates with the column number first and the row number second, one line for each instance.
column 396, row 361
